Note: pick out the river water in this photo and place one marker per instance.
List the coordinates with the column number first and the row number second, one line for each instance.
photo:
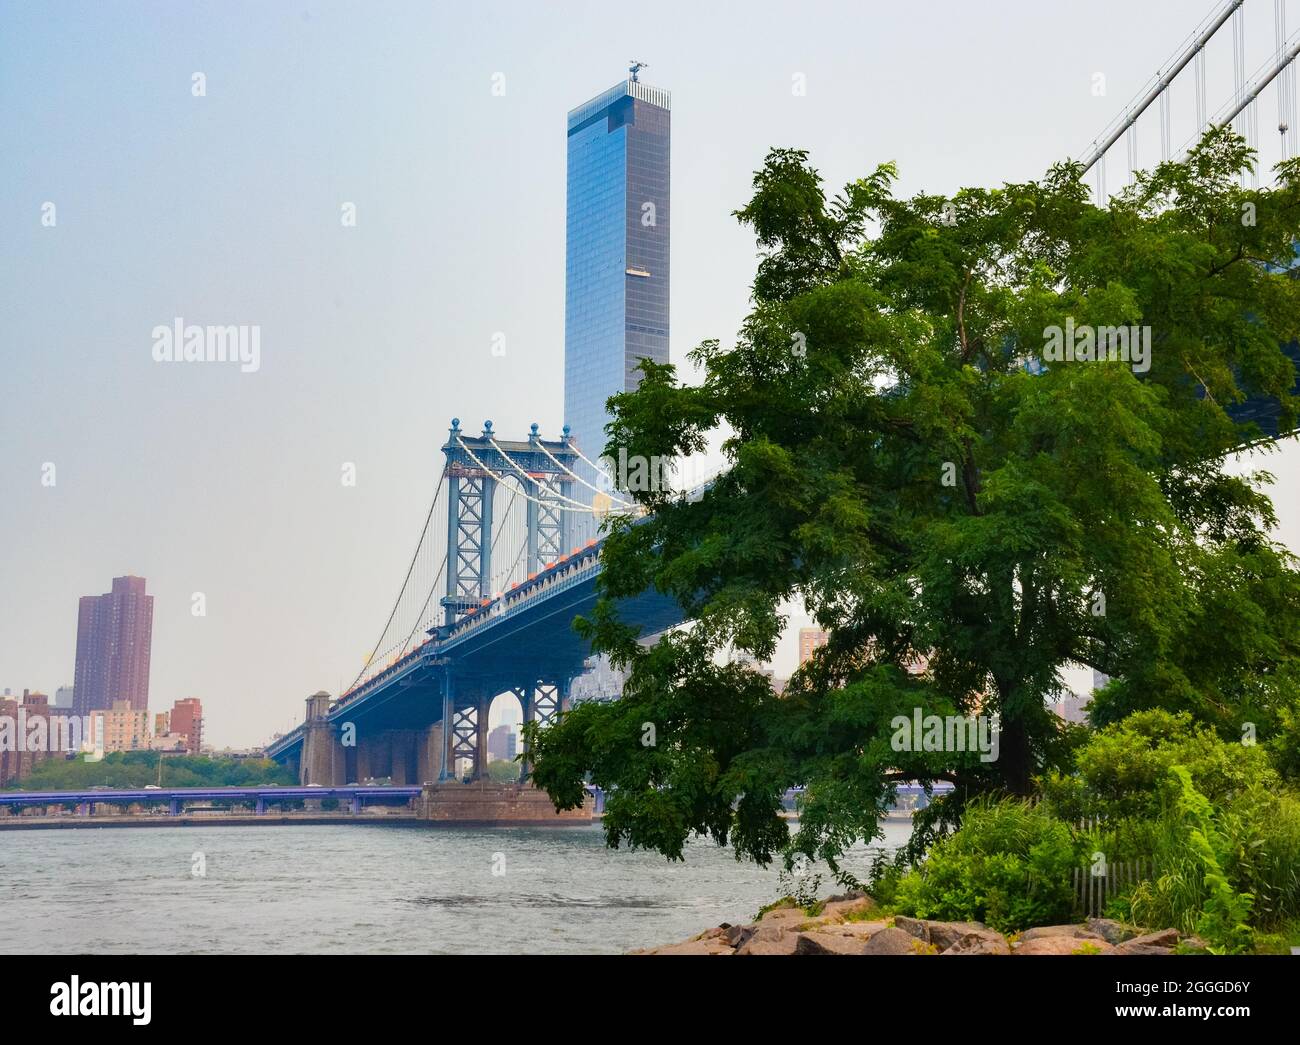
column 352, row 888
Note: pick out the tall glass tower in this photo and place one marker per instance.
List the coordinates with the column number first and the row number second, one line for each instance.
column 616, row 267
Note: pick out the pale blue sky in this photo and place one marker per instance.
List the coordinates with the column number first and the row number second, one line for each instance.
column 225, row 209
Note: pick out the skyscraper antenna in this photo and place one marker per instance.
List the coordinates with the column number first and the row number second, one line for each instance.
column 635, row 68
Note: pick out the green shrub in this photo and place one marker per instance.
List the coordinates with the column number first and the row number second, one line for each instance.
column 1123, row 771
column 1190, row 889
column 1009, row 865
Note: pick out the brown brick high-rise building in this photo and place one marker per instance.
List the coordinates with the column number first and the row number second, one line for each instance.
column 187, row 717
column 810, row 640
column 114, row 633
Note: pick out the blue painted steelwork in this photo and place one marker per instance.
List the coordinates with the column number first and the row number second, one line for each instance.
column 523, row 640
column 475, row 464
column 176, row 797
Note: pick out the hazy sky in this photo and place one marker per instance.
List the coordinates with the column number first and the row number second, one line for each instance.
column 225, row 209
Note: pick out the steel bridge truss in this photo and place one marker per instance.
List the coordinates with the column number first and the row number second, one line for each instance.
column 474, row 467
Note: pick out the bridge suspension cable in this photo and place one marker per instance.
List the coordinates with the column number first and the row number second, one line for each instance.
column 572, row 474
column 528, row 478
column 423, row 545
column 1199, row 38
column 581, row 509
column 564, row 468
column 1269, row 72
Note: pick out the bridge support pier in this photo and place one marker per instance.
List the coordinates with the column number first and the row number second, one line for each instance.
column 403, row 760
column 322, row 754
column 429, row 755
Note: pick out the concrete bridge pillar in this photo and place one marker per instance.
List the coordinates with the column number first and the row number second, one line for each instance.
column 429, row 749
column 402, row 745
column 322, row 754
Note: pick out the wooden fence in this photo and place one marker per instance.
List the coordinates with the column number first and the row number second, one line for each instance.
column 1094, row 886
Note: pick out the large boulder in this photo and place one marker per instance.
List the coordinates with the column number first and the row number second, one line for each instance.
column 709, row 946
column 1164, row 938
column 1063, row 943
column 1110, row 930
column 786, row 917
column 738, row 935
column 1129, row 947
column 896, row 941
column 840, row 907
column 860, row 930
column 916, row 927
column 1078, row 932
column 770, row 939
column 979, row 941
column 816, row 942
column 946, row 934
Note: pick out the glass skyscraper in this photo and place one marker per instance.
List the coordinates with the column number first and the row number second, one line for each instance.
column 616, row 266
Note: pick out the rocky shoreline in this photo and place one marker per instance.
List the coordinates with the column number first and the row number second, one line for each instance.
column 852, row 924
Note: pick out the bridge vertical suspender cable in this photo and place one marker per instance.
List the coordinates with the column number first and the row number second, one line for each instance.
column 1163, row 80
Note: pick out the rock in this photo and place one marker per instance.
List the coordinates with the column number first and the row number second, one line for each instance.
column 1164, row 938
column 942, row 934
column 711, row 934
column 1129, row 947
column 946, row 934
column 913, row 927
column 784, row 916
column 860, row 930
column 1110, row 930
column 839, row 907
column 1078, row 932
column 895, row 941
column 1063, row 943
column 713, row 946
column 737, row 935
column 770, row 939
column 829, row 943
column 980, row 941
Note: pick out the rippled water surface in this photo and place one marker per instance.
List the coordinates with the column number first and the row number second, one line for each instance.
column 359, row 888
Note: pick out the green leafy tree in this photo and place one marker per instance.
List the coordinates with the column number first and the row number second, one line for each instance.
column 503, row 771
column 904, row 465
column 137, row 769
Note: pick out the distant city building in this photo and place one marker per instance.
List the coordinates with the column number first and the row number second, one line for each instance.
column 616, row 251
column 114, row 634
column 1099, row 681
column 810, row 640
column 120, row 728
column 600, row 681
column 502, row 743
column 167, row 741
column 1073, row 707
column 63, row 697
column 186, row 717
column 30, row 732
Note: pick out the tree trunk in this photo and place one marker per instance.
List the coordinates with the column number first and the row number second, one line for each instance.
column 1015, row 757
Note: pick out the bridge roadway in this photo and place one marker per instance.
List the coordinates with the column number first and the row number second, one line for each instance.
column 177, row 797
column 393, row 725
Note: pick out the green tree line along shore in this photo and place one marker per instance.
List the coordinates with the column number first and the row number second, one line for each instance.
column 138, row 769
column 913, row 462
